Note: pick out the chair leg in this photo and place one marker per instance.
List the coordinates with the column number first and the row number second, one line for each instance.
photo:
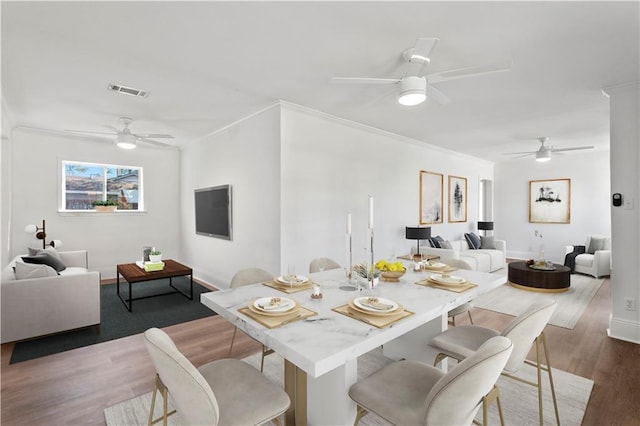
column 165, row 406
column 543, row 342
column 493, row 395
column 470, row 319
column 359, row 415
column 265, row 351
column 233, row 339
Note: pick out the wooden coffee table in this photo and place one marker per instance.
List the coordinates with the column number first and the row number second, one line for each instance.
column 525, row 277
column 132, row 273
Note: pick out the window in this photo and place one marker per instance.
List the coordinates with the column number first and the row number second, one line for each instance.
column 84, row 183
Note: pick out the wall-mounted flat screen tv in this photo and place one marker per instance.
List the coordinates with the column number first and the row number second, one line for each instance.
column 213, row 211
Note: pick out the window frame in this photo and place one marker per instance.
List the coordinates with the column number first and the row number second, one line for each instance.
column 63, row 188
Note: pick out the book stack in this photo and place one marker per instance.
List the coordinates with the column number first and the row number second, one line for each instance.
column 150, row 266
column 153, row 266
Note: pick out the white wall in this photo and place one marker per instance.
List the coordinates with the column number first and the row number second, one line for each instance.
column 590, row 200
column 111, row 238
column 330, row 166
column 246, row 155
column 625, row 179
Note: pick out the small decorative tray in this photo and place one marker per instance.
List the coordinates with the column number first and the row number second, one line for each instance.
column 543, row 267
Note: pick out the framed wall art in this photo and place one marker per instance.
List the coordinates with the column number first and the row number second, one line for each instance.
column 550, row 201
column 430, row 197
column 457, row 199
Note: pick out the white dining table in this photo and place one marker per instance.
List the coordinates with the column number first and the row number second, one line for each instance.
column 321, row 352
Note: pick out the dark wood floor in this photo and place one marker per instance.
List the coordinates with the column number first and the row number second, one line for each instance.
column 74, row 387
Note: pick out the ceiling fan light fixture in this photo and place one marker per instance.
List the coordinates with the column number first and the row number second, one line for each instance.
column 543, row 155
column 413, row 91
column 126, row 141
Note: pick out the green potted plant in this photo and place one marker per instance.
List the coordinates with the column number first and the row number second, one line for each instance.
column 155, row 255
column 105, row 205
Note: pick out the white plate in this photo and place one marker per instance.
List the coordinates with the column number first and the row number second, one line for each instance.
column 297, row 280
column 450, row 280
column 436, row 265
column 361, row 302
column 268, row 304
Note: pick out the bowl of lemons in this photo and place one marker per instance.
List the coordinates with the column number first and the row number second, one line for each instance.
column 391, row 271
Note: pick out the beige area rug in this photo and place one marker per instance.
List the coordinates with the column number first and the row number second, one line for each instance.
column 519, row 401
column 570, row 305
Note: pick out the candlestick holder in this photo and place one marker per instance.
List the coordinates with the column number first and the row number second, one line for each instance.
column 350, row 270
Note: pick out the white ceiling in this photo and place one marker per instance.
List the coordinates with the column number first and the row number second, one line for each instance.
column 208, row 64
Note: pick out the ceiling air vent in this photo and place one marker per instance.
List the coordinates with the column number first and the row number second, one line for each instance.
column 127, row 90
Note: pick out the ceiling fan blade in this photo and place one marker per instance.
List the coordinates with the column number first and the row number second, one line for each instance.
column 365, row 80
column 88, row 132
column 525, row 155
column 152, row 142
column 109, row 126
column 153, row 135
column 517, row 153
column 422, row 50
column 437, row 95
column 467, row 72
column 570, row 149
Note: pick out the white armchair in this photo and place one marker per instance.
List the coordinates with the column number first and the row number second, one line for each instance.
column 596, row 261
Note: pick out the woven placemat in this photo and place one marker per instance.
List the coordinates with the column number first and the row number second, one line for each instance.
column 457, row 289
column 278, row 321
column 287, row 288
column 374, row 320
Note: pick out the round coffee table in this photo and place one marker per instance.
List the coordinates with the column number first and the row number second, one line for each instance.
column 525, row 277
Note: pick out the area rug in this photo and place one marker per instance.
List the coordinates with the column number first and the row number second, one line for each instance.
column 116, row 321
column 570, row 305
column 519, row 401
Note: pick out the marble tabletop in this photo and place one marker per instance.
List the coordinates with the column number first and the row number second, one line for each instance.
column 328, row 340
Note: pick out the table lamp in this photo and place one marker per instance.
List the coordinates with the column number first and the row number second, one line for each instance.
column 485, row 226
column 417, row 233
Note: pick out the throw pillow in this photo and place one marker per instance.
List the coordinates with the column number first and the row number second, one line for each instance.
column 435, row 241
column 487, row 243
column 50, row 250
column 596, row 243
column 45, row 259
column 473, row 240
column 446, row 245
column 28, row 270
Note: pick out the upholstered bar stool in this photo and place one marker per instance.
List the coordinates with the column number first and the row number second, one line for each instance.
column 225, row 392
column 246, row 277
column 524, row 330
column 414, row 393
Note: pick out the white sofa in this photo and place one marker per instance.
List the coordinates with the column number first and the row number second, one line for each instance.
column 33, row 307
column 483, row 260
column 598, row 263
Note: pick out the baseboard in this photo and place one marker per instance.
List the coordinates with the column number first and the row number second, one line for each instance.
column 623, row 329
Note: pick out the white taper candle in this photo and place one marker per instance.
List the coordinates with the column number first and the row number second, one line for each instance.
column 370, row 212
column 349, row 224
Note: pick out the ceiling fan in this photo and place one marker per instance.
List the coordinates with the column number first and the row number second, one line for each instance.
column 544, row 152
column 415, row 87
column 124, row 138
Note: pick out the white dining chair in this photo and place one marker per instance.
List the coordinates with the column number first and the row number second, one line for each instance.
column 221, row 392
column 465, row 307
column 323, row 264
column 246, row 277
column 524, row 330
column 414, row 393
